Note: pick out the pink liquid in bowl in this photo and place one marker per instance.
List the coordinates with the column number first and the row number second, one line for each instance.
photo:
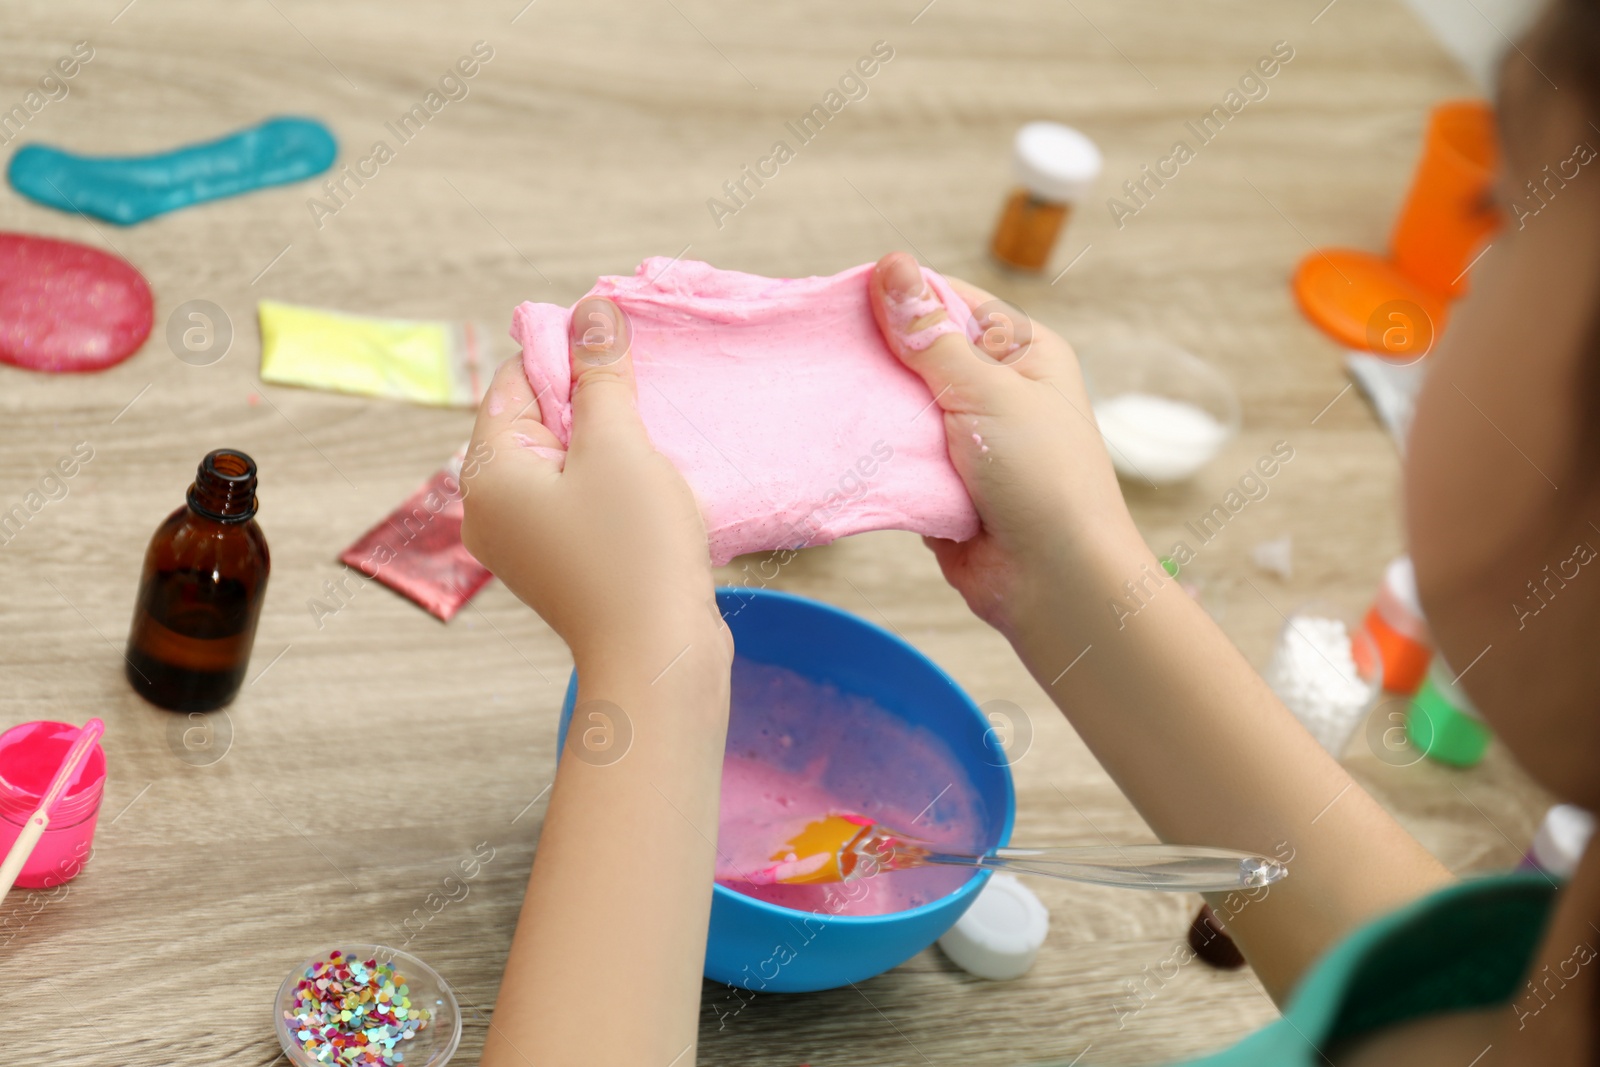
column 29, row 756
column 798, row 750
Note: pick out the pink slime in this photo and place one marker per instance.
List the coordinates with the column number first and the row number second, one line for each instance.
column 798, row 750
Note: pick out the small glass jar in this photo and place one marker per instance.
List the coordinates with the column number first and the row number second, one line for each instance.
column 1398, row 629
column 30, row 755
column 1055, row 166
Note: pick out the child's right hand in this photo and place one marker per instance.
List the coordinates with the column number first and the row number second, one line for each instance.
column 1023, row 439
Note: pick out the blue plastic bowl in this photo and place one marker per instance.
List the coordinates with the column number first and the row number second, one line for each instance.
column 767, row 948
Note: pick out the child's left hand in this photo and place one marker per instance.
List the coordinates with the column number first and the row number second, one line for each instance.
column 603, row 539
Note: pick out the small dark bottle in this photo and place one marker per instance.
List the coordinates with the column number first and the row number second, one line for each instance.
column 1211, row 942
column 205, row 574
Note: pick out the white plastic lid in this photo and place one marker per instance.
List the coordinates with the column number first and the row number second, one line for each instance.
column 1001, row 932
column 1562, row 837
column 1400, row 578
column 1055, row 162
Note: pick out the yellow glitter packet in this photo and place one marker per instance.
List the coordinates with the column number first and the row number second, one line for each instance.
column 424, row 362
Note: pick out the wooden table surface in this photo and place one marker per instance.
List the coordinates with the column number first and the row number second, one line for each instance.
column 375, row 748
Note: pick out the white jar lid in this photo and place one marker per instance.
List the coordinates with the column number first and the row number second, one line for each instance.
column 1400, row 578
column 1055, row 162
column 1001, row 932
column 1562, row 837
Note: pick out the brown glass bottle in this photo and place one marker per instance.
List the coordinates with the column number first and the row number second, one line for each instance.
column 1027, row 230
column 205, row 574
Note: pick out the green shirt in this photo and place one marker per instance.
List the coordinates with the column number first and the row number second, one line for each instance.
column 1465, row 947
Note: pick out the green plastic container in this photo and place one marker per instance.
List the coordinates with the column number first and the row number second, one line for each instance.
column 1443, row 723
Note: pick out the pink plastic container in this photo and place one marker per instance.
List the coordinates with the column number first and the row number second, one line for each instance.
column 29, row 757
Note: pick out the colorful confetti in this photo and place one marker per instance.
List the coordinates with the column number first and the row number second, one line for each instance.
column 354, row 1014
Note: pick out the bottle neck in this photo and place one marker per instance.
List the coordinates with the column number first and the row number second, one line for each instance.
column 224, row 487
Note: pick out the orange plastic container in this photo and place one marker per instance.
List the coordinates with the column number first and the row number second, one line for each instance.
column 1449, row 212
column 1396, row 305
column 1403, row 655
column 1399, row 633
column 1363, row 301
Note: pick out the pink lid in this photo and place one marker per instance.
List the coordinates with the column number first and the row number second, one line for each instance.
column 30, row 754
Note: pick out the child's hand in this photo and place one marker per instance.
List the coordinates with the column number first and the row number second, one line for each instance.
column 1057, row 545
column 1024, row 441
column 604, row 539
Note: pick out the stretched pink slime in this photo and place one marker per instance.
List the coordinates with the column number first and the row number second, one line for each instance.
column 777, row 398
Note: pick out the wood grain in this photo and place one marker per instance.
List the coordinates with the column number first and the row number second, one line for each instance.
column 371, row 752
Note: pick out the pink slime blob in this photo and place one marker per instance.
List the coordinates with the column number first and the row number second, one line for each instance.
column 68, row 307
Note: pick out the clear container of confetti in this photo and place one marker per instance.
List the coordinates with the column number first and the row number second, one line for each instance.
column 367, row 1006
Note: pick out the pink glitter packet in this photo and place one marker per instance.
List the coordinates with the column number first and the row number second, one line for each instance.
column 417, row 549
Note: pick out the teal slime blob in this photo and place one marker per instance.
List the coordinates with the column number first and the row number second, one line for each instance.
column 129, row 189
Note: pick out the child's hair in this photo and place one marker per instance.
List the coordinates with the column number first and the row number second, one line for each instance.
column 1567, row 39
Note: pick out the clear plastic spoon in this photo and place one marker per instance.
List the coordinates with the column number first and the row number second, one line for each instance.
column 845, row 847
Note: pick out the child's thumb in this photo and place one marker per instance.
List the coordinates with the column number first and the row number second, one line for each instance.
column 604, row 409
column 921, row 332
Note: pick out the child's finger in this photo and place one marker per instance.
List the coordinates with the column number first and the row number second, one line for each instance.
column 920, row 332
column 1009, row 335
column 971, row 294
column 604, row 409
column 509, row 417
